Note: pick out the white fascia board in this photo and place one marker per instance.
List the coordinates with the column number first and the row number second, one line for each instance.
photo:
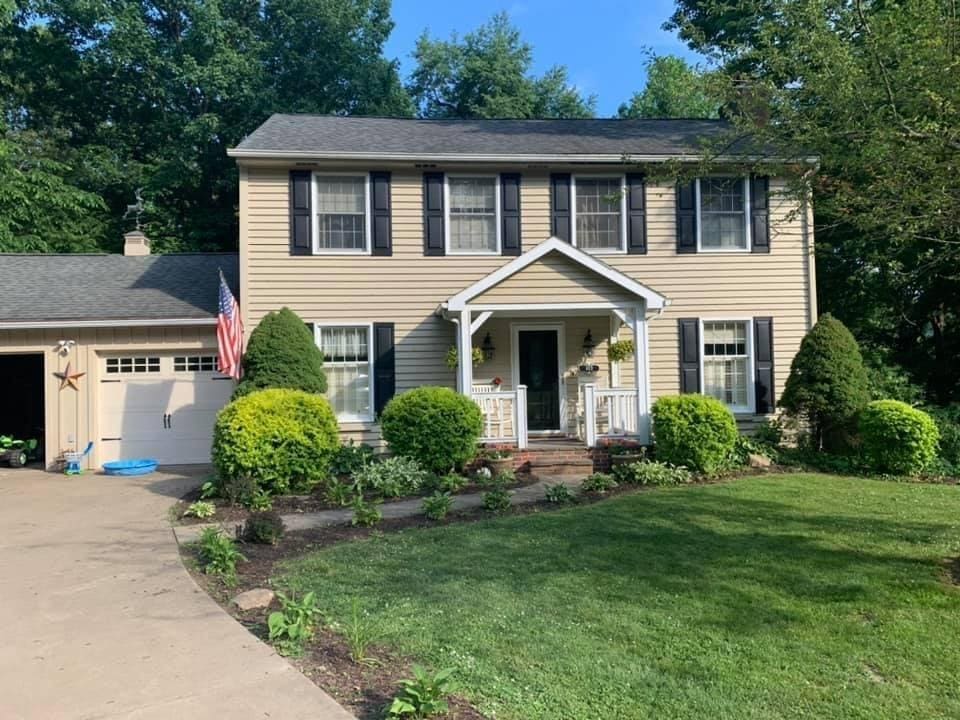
column 654, row 300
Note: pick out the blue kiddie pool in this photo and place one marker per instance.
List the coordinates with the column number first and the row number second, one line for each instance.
column 143, row 466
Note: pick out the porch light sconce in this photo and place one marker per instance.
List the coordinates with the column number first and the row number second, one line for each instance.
column 487, row 348
column 588, row 344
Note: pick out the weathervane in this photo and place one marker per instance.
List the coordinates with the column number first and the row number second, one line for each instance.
column 136, row 209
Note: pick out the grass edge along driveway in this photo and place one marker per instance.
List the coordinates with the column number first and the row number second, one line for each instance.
column 783, row 596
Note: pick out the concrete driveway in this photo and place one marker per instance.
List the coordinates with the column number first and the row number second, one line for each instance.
column 98, row 618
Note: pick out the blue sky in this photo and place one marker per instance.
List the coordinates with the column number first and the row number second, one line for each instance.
column 601, row 42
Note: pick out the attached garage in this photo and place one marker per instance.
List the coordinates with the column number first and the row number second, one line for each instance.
column 138, row 335
column 161, row 406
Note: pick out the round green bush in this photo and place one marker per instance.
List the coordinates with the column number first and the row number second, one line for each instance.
column 897, row 438
column 435, row 426
column 281, row 438
column 695, row 431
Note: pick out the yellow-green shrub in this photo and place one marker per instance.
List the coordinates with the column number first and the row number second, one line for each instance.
column 897, row 438
column 695, row 431
column 283, row 439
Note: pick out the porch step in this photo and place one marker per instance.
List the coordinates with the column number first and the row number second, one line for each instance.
column 562, row 459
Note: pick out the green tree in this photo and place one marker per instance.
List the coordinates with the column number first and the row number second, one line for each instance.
column 873, row 89
column 487, row 74
column 282, row 353
column 827, row 385
column 674, row 89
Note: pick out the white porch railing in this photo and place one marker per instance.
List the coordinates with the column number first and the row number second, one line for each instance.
column 504, row 414
column 609, row 413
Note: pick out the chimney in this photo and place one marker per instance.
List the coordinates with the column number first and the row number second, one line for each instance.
column 135, row 243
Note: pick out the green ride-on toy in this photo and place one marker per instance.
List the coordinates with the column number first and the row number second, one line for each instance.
column 17, row 453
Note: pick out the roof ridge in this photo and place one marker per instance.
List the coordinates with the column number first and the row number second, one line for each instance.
column 334, row 116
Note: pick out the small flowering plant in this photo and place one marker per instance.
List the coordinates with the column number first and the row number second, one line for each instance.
column 498, row 381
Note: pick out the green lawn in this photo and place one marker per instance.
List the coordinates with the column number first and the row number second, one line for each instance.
column 776, row 597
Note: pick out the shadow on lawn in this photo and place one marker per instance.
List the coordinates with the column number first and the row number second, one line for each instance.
column 735, row 550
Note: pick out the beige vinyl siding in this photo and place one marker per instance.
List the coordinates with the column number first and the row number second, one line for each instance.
column 407, row 288
column 72, row 415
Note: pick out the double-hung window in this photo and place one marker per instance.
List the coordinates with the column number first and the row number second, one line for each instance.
column 726, row 362
column 347, row 362
column 598, row 208
column 340, row 215
column 472, row 216
column 724, row 207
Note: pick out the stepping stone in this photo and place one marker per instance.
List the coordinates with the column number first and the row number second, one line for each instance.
column 253, row 599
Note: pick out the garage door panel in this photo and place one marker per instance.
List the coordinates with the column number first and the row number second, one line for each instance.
column 165, row 412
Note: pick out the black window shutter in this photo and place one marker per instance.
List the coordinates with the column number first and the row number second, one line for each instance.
column 382, row 243
column 636, row 214
column 760, row 213
column 763, row 363
column 384, row 366
column 510, row 242
column 689, row 355
column 687, row 217
column 433, row 231
column 560, row 206
column 300, row 213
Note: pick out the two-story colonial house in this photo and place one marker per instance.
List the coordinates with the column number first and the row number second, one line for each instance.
column 498, row 257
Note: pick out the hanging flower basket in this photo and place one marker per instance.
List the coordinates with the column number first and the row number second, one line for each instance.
column 620, row 350
column 453, row 357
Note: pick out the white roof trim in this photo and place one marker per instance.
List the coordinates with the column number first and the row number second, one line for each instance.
column 321, row 155
column 653, row 300
column 67, row 324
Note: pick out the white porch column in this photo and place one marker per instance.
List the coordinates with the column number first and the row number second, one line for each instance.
column 465, row 354
column 641, row 372
column 520, row 417
column 590, row 414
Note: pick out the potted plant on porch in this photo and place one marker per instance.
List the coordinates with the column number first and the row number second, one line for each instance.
column 499, row 460
column 621, row 454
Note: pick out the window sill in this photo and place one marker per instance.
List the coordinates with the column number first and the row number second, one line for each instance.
column 723, row 251
column 473, row 253
column 318, row 251
column 360, row 419
column 601, row 251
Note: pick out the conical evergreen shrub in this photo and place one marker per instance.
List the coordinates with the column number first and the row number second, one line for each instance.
column 282, row 353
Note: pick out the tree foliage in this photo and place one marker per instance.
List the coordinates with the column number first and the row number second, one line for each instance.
column 674, row 89
column 150, row 95
column 873, row 89
column 827, row 385
column 487, row 74
column 282, row 353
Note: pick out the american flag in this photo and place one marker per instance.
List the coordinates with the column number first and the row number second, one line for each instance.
column 229, row 333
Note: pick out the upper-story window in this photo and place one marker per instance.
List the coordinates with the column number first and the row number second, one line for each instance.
column 341, row 213
column 723, row 206
column 598, row 211
column 472, row 216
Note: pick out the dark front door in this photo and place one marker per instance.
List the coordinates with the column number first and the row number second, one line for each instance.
column 537, row 351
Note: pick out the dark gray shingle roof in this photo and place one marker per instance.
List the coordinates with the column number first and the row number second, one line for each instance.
column 43, row 288
column 334, row 135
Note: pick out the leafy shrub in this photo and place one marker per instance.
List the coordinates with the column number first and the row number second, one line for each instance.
column 209, row 489
column 350, row 459
column 558, row 494
column 948, row 424
column 695, row 431
column 424, row 696
column 283, row 438
column 282, row 353
column 827, row 385
column 341, row 493
column 769, row 433
column 365, row 513
column 292, row 625
column 599, row 483
column 392, row 477
column 436, row 426
column 496, row 500
column 237, row 490
column 743, row 448
column 265, row 527
column 437, row 506
column 260, row 500
column 897, row 438
column 650, row 472
column 219, row 555
column 886, row 380
column 450, row 483
column 201, row 509
column 505, row 477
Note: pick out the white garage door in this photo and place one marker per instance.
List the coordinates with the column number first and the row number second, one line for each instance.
column 160, row 406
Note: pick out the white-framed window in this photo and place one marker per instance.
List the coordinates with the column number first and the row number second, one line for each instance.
column 132, row 365
column 726, row 357
column 723, row 212
column 195, row 363
column 473, row 214
column 348, row 364
column 341, row 211
column 599, row 213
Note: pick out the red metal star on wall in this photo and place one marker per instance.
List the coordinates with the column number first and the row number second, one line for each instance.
column 69, row 377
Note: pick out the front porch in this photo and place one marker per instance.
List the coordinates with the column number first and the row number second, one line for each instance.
column 543, row 324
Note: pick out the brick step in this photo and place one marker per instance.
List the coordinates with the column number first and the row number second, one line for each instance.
column 584, row 460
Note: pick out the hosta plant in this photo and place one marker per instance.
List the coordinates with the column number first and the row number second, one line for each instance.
column 292, row 625
column 423, row 696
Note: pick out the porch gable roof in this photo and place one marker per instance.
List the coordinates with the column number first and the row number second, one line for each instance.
column 652, row 299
